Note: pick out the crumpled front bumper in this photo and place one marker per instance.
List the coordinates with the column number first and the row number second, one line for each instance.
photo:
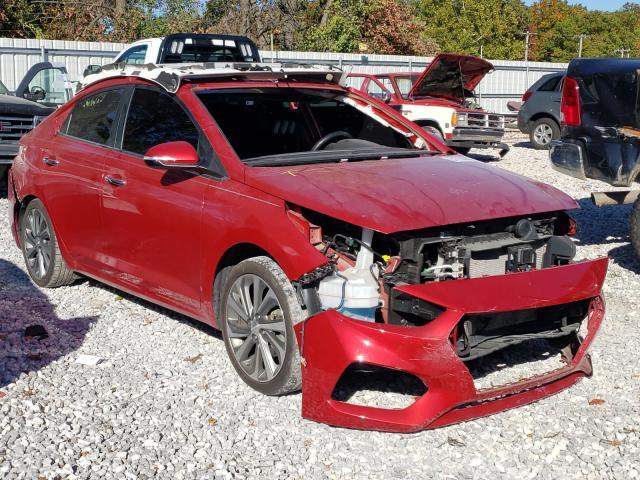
column 330, row 343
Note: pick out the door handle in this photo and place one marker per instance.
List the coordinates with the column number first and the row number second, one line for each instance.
column 117, row 182
column 52, row 162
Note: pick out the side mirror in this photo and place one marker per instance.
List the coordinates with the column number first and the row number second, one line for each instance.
column 178, row 154
column 91, row 69
column 35, row 94
column 386, row 98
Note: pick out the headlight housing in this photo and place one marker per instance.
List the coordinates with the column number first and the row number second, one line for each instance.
column 461, row 119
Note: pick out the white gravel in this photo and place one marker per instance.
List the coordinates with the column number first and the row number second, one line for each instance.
column 166, row 403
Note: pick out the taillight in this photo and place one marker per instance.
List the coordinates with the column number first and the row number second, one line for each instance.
column 570, row 105
column 526, row 95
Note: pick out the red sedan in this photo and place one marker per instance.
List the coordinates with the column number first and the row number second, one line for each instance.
column 321, row 231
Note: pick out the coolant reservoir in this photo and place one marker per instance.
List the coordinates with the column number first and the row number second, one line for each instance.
column 354, row 291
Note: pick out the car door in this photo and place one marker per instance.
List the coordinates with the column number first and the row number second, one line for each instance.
column 151, row 216
column 72, row 162
column 46, row 83
column 547, row 97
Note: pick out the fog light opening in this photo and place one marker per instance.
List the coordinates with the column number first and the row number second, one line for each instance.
column 378, row 387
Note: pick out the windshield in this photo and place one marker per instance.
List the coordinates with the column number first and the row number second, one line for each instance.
column 3, row 89
column 276, row 126
column 405, row 84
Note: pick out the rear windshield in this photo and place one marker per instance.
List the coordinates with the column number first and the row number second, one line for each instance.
column 613, row 99
column 268, row 123
column 194, row 50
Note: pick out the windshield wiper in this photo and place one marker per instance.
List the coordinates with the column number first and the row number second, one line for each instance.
column 334, row 156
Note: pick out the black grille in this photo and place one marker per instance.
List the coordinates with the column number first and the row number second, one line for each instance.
column 13, row 127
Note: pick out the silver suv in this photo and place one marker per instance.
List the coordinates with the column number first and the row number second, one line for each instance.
column 539, row 115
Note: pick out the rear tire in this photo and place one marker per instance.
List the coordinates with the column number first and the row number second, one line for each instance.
column 634, row 226
column 258, row 310
column 40, row 248
column 543, row 131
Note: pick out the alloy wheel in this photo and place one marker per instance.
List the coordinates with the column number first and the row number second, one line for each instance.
column 256, row 327
column 543, row 134
column 38, row 245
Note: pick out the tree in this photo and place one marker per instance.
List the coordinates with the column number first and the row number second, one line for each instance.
column 464, row 25
column 376, row 26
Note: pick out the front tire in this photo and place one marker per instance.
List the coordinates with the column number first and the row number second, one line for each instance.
column 40, row 248
column 634, row 226
column 543, row 131
column 258, row 310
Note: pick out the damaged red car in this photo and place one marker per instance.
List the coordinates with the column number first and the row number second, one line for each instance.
column 321, row 231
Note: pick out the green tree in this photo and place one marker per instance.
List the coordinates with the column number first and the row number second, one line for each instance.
column 464, row 25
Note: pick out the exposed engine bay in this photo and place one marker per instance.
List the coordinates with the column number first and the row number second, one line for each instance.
column 365, row 268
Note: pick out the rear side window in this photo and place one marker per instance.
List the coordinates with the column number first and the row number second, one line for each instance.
column 550, row 85
column 135, row 55
column 156, row 118
column 94, row 117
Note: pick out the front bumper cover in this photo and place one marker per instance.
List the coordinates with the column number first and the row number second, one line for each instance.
column 330, row 343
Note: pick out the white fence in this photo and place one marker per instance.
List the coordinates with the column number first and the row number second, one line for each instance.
column 509, row 80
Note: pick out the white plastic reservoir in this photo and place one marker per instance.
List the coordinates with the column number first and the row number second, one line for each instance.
column 354, row 291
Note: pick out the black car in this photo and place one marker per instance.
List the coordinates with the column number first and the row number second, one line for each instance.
column 601, row 129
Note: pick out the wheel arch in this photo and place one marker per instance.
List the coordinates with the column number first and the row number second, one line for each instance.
column 232, row 256
column 539, row 115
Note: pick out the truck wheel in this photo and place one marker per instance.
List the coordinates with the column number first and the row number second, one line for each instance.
column 433, row 131
column 634, row 226
column 258, row 310
column 542, row 132
column 462, row 150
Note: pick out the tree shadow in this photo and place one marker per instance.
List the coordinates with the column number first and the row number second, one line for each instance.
column 604, row 226
column 22, row 305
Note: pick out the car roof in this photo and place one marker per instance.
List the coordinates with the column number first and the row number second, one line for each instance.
column 171, row 76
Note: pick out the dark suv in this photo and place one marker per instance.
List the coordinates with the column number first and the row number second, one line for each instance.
column 601, row 129
column 539, row 115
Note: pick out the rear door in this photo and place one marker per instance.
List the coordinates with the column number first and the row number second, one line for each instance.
column 547, row 97
column 72, row 164
column 151, row 216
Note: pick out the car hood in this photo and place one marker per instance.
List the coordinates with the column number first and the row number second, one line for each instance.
column 452, row 76
column 409, row 194
column 20, row 106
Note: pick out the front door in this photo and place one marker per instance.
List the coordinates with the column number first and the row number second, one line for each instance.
column 152, row 216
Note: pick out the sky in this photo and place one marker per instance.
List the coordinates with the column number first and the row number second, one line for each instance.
column 596, row 4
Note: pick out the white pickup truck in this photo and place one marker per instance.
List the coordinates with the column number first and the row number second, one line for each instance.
column 189, row 48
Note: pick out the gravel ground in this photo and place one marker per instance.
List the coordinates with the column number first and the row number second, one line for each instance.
column 166, row 403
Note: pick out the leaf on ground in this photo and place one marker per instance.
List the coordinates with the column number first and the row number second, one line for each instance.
column 454, row 442
column 212, row 421
column 596, row 401
column 3, row 394
column 28, row 392
column 613, row 443
column 193, row 359
column 119, row 298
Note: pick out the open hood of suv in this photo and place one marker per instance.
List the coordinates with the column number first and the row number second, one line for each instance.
column 452, row 76
column 398, row 195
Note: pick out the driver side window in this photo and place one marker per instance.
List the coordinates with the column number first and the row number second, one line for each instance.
column 156, row 118
column 48, row 87
column 375, row 90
